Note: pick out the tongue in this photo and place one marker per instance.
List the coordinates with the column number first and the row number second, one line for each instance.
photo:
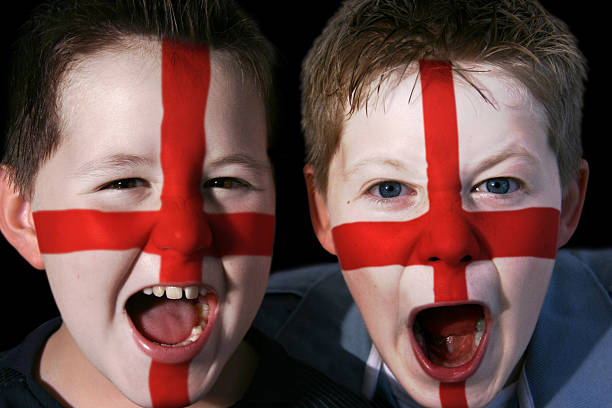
column 450, row 333
column 163, row 320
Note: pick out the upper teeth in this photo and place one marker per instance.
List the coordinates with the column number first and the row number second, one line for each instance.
column 175, row 292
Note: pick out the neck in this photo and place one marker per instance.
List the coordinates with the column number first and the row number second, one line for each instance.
column 68, row 376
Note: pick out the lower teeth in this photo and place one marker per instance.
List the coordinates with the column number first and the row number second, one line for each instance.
column 420, row 335
column 195, row 334
column 196, row 331
column 477, row 338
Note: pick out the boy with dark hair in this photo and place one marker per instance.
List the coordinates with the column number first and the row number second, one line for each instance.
column 135, row 172
column 444, row 170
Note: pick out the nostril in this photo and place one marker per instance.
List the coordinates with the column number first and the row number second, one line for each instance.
column 466, row 258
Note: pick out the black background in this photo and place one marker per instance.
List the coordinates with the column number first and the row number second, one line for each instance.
column 292, row 25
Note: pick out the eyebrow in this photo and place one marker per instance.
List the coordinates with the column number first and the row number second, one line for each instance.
column 243, row 160
column 515, row 151
column 381, row 161
column 113, row 162
column 121, row 161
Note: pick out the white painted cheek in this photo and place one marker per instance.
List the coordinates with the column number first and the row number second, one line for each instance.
column 93, row 280
column 417, row 286
column 514, row 289
column 524, row 284
column 416, row 291
column 484, row 285
column 240, row 283
column 90, row 289
column 386, row 296
column 129, row 372
column 377, row 294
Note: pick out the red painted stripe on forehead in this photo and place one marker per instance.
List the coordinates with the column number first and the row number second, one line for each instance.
column 185, row 83
column 441, row 138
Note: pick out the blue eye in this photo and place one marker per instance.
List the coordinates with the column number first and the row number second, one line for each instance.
column 500, row 185
column 389, row 189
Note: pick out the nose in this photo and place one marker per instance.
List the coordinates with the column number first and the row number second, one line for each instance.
column 182, row 227
column 449, row 238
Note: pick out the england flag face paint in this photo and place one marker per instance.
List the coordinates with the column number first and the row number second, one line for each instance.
column 155, row 216
column 444, row 210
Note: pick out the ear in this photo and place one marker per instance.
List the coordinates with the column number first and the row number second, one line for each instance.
column 16, row 221
column 571, row 205
column 318, row 212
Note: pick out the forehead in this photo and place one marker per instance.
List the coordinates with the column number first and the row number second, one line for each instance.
column 124, row 84
column 492, row 109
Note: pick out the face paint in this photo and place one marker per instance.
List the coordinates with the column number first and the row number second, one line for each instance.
column 446, row 237
column 181, row 233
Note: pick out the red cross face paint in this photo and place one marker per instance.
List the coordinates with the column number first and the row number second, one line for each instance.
column 445, row 211
column 161, row 189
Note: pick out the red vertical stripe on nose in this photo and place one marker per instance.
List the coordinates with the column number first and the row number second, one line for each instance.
column 185, row 82
column 443, row 181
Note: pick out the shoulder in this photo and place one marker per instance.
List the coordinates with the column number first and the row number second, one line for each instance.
column 318, row 390
column 595, row 262
column 300, row 281
column 289, row 290
column 283, row 381
column 18, row 388
column 310, row 311
column 15, row 391
column 568, row 361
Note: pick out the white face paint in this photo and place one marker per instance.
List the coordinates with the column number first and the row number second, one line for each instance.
column 109, row 160
column 382, row 173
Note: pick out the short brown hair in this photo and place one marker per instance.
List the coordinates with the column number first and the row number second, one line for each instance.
column 62, row 31
column 371, row 40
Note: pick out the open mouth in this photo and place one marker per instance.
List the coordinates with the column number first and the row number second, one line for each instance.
column 172, row 322
column 450, row 341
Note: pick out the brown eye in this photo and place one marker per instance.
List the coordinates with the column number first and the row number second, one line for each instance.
column 225, row 182
column 123, row 184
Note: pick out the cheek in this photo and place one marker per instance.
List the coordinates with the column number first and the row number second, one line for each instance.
column 87, row 279
column 524, row 282
column 246, row 280
column 378, row 296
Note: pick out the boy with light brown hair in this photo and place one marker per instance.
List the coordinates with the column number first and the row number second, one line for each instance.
column 444, row 170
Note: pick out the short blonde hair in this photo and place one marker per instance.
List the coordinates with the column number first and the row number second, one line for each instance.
column 368, row 41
